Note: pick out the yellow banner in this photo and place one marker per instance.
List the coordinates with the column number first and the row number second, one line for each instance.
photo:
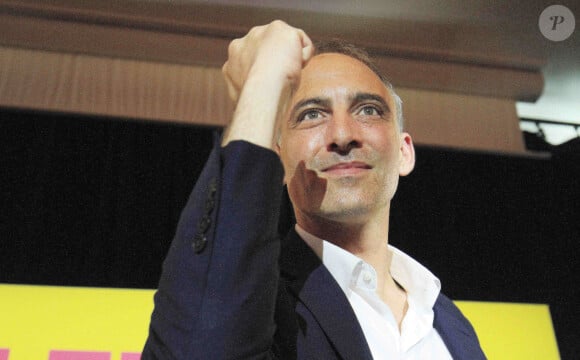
column 58, row 323
column 512, row 331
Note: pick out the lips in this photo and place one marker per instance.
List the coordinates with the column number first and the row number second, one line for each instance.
column 347, row 168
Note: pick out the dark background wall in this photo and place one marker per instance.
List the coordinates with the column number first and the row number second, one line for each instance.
column 95, row 202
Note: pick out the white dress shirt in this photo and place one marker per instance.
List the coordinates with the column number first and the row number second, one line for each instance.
column 417, row 338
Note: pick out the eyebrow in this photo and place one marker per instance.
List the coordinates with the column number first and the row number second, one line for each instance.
column 362, row 97
column 318, row 101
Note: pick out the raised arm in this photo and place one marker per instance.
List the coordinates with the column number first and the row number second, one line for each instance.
column 217, row 293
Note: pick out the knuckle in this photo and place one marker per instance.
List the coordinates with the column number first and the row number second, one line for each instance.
column 255, row 31
column 280, row 26
column 234, row 45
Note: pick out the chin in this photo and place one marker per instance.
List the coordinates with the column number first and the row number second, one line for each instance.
column 344, row 211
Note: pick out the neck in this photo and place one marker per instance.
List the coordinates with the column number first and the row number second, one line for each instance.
column 367, row 240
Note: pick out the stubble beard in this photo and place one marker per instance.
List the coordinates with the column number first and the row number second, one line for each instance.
column 348, row 200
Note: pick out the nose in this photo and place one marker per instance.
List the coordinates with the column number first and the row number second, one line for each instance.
column 343, row 134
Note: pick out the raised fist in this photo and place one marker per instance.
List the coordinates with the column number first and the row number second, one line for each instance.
column 274, row 52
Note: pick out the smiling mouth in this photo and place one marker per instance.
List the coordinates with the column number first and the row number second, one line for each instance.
column 347, row 169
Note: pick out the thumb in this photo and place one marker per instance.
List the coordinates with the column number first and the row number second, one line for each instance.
column 307, row 46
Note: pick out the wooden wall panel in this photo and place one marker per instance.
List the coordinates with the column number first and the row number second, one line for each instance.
column 462, row 121
column 121, row 42
column 454, row 41
column 498, row 82
column 32, row 79
column 160, row 61
column 421, row 56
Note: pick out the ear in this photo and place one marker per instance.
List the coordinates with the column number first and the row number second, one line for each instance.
column 407, row 149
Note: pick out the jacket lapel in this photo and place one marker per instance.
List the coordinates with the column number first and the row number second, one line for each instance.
column 313, row 285
column 456, row 331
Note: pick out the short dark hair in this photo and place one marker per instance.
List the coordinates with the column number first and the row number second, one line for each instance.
column 339, row 46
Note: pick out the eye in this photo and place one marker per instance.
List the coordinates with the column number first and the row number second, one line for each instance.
column 312, row 114
column 370, row 110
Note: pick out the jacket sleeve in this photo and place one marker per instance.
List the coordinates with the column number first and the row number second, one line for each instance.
column 217, row 292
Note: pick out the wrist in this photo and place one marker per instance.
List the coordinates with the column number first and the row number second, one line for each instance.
column 257, row 110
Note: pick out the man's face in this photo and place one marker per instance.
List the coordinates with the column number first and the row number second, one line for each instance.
column 340, row 145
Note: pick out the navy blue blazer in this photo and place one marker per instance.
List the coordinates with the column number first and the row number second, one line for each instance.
column 231, row 289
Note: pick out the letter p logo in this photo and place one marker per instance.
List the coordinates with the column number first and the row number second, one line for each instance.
column 556, row 20
column 556, row 23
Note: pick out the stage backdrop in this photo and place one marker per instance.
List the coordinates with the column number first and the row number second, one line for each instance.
column 72, row 323
column 90, row 202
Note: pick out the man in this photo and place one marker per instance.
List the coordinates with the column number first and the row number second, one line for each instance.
column 333, row 289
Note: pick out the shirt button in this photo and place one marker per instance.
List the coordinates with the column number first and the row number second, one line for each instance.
column 367, row 278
